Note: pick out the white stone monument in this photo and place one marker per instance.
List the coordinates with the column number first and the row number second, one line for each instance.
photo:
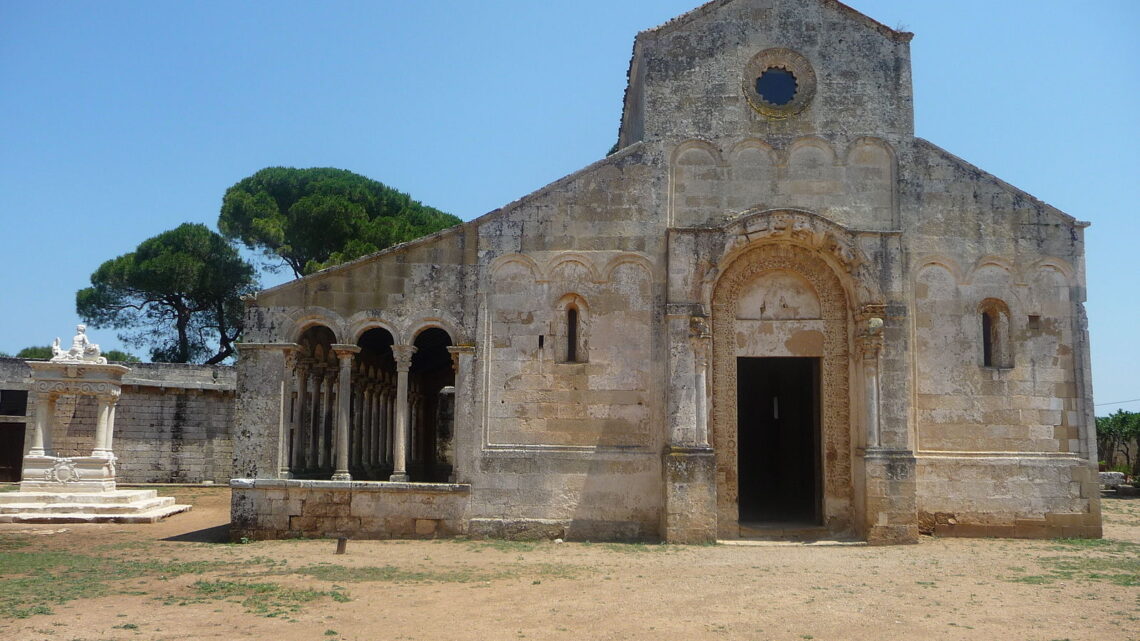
column 78, row 488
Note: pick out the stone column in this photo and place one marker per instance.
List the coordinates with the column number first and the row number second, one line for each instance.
column 325, row 416
column 45, row 418
column 111, row 423
column 403, row 355
column 374, row 406
column 369, row 431
column 344, row 401
column 699, row 339
column 390, row 417
column 384, row 416
column 102, row 421
column 871, row 345
column 463, row 444
column 313, row 418
column 301, row 387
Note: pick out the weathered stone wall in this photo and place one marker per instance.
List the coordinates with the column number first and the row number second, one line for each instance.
column 172, row 422
column 1006, row 447
column 687, row 75
column 609, row 439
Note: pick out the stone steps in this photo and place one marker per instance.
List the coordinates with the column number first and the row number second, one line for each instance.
column 85, row 498
column 120, row 506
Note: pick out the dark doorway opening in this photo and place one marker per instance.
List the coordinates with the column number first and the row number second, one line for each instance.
column 12, row 403
column 778, row 440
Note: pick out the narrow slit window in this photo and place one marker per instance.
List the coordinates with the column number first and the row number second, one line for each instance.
column 572, row 334
column 987, row 339
column 996, row 347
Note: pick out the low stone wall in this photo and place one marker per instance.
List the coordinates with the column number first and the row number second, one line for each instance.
column 276, row 509
column 172, row 422
column 1008, row 496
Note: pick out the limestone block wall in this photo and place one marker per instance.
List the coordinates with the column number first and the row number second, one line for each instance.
column 400, row 286
column 686, row 75
column 1002, row 406
column 536, row 395
column 850, row 182
column 175, row 435
column 572, row 445
column 172, row 422
column 278, row 509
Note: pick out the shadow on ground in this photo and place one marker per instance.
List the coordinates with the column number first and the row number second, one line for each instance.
column 216, row 534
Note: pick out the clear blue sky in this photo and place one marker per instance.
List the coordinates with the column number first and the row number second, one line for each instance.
column 120, row 120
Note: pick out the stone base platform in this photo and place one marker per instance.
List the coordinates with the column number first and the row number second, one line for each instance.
column 117, row 506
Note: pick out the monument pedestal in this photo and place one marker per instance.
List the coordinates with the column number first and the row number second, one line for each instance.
column 78, row 489
column 44, row 473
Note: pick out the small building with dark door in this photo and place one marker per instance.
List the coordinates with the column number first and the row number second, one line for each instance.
column 771, row 309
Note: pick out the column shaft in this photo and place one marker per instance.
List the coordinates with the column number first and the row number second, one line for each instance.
column 301, row 383
column 104, row 408
column 344, row 406
column 41, row 434
column 403, row 356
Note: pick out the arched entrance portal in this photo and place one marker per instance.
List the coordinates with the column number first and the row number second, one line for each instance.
column 781, row 428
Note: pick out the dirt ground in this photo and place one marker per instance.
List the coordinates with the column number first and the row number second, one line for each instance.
column 179, row 580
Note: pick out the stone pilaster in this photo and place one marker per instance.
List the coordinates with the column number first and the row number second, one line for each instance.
column 258, row 415
column 689, row 464
column 464, row 439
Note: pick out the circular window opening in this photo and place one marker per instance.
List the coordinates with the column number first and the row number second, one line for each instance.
column 776, row 86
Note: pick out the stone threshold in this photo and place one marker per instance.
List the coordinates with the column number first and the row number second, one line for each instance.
column 356, row 486
column 790, row 543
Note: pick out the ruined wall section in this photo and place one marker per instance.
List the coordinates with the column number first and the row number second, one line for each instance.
column 1003, row 414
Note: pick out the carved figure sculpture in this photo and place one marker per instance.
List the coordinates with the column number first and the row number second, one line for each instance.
column 82, row 349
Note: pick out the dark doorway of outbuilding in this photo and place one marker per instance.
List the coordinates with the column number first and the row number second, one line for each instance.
column 14, row 404
column 778, row 444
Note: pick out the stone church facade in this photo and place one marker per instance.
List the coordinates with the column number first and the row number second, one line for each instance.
column 771, row 310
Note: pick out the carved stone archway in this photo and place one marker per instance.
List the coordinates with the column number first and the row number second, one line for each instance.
column 755, row 262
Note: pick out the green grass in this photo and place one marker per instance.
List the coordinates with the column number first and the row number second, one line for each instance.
column 503, row 545
column 32, row 582
column 1116, row 562
column 634, row 548
column 263, row 599
column 393, row 574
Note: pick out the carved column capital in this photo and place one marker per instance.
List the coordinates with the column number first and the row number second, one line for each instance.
column 344, row 352
column 870, row 339
column 456, row 351
column 403, row 355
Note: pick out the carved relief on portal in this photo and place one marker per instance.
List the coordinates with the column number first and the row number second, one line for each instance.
column 740, row 275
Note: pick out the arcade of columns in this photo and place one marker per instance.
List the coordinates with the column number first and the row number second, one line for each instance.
column 350, row 417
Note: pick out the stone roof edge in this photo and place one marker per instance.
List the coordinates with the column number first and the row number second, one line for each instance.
column 394, row 249
column 621, row 153
column 709, row 7
column 964, row 163
column 456, row 229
